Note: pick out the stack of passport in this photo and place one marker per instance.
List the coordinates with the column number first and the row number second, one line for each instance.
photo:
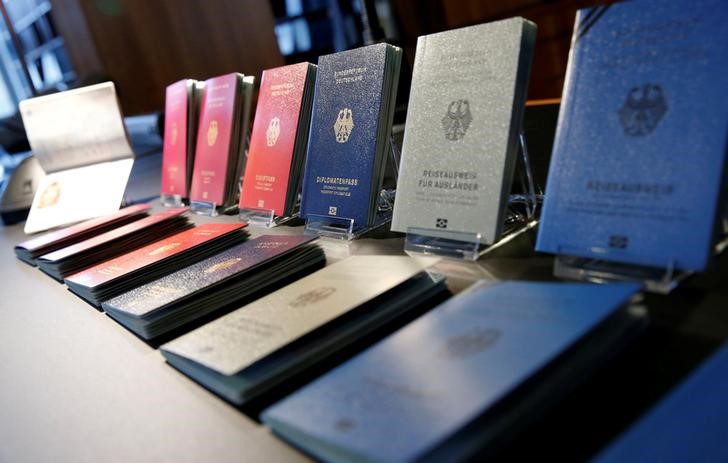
column 255, row 348
column 460, row 377
column 84, row 254
column 279, row 140
column 162, row 305
column 353, row 107
column 29, row 250
column 688, row 425
column 460, row 146
column 180, row 135
column 113, row 277
column 221, row 135
column 639, row 160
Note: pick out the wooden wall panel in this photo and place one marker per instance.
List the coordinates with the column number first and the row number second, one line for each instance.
column 555, row 20
column 144, row 45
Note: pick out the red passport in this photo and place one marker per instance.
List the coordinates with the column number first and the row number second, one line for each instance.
column 118, row 267
column 218, row 113
column 273, row 139
column 111, row 236
column 32, row 248
column 177, row 110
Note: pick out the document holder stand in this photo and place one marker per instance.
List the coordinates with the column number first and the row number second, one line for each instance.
column 342, row 228
column 654, row 279
column 171, row 200
column 212, row 209
column 521, row 218
column 661, row 280
column 266, row 218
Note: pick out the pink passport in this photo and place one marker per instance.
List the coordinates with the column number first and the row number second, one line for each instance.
column 174, row 152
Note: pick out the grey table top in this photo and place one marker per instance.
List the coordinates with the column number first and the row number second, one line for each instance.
column 76, row 386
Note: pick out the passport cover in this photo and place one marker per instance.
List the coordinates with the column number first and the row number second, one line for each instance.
column 461, row 135
column 437, row 374
column 273, row 138
column 688, row 425
column 244, row 257
column 80, row 141
column 67, row 234
column 340, row 164
column 174, row 150
column 76, row 194
column 214, row 137
column 640, row 146
column 249, row 334
column 108, row 237
column 159, row 250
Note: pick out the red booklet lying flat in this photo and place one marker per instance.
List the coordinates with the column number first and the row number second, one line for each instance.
column 72, row 259
column 122, row 273
column 28, row 250
column 112, row 235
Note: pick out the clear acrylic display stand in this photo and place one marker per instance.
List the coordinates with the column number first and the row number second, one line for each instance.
column 521, row 218
column 204, row 208
column 655, row 279
column 661, row 280
column 213, row 209
column 171, row 200
column 266, row 218
column 342, row 228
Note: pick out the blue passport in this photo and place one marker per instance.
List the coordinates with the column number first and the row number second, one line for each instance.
column 640, row 148
column 690, row 424
column 406, row 397
column 353, row 107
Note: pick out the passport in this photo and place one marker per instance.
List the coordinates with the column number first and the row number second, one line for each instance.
column 79, row 139
column 687, row 425
column 640, row 147
column 29, row 250
column 353, row 106
column 458, row 363
column 248, row 351
column 167, row 303
column 180, row 133
column 219, row 152
column 84, row 254
column 279, row 138
column 115, row 276
column 461, row 137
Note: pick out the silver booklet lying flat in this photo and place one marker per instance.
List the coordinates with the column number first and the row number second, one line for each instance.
column 245, row 352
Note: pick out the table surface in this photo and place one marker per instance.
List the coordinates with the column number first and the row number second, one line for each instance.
column 76, row 386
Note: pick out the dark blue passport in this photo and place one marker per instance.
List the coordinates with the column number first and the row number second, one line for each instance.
column 690, row 424
column 161, row 305
column 350, row 126
column 404, row 398
column 640, row 148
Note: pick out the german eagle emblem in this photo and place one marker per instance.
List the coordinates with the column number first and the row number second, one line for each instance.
column 457, row 120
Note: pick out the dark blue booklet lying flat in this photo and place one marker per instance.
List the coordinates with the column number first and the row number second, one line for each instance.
column 190, row 293
column 691, row 424
column 459, row 376
column 640, row 148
